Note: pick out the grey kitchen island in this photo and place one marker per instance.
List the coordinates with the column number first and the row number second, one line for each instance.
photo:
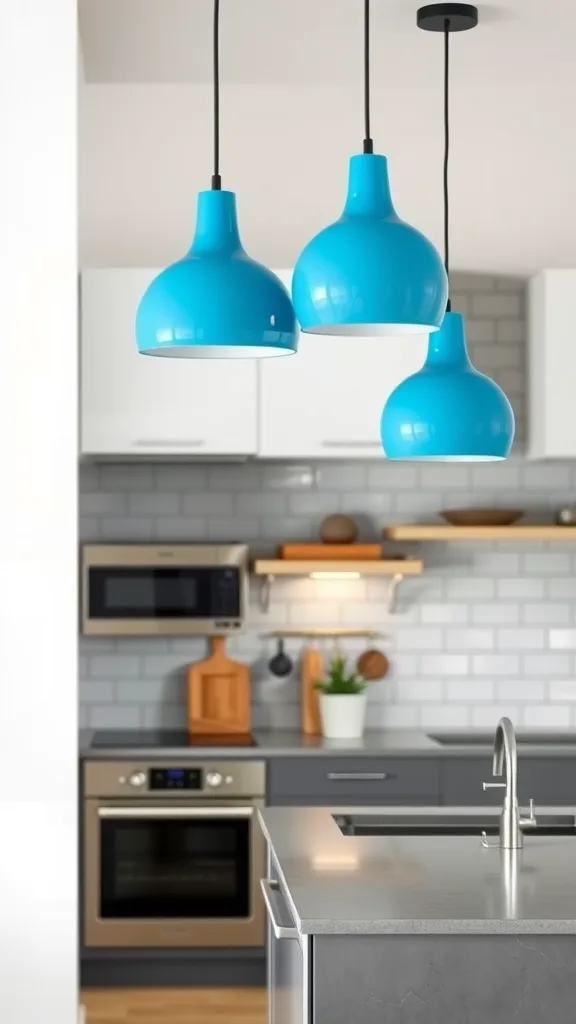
column 418, row 928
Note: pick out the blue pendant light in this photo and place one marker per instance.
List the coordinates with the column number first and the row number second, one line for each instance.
column 369, row 272
column 216, row 302
column 447, row 411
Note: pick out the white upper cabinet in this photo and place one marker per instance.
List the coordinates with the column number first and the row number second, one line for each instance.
column 142, row 405
column 326, row 401
column 552, row 365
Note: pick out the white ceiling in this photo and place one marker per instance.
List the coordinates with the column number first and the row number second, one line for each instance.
column 291, row 116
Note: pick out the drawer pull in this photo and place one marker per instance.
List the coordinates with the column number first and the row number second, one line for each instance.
column 359, row 776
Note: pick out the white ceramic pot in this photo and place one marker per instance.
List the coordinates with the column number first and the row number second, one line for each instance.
column 343, row 715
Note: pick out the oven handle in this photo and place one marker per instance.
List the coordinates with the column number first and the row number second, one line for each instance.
column 175, row 812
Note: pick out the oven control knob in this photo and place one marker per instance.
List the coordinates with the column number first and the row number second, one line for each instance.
column 213, row 779
column 137, row 779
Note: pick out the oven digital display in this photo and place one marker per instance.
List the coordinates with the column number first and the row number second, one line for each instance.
column 175, row 778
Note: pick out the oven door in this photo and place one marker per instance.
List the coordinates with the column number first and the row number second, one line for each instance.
column 183, row 874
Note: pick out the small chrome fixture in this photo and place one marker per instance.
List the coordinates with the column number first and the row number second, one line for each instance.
column 511, row 820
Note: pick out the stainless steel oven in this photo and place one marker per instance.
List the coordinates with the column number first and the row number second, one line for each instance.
column 173, row 854
column 164, row 589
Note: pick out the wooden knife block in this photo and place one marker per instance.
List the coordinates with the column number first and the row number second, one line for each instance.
column 311, row 672
column 219, row 694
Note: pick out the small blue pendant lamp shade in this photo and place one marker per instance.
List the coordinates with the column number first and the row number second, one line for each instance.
column 448, row 411
column 369, row 272
column 216, row 302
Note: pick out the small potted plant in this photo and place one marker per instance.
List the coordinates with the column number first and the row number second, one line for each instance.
column 342, row 702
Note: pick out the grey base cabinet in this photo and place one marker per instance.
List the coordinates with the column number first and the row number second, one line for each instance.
column 443, row 979
column 414, row 781
column 377, row 781
column 547, row 781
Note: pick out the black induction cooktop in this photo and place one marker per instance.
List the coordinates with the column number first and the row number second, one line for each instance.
column 140, row 739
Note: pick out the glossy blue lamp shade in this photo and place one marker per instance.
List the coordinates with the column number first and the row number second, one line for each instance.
column 369, row 272
column 216, row 302
column 447, row 411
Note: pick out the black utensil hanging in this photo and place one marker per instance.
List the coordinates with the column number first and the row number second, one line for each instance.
column 280, row 665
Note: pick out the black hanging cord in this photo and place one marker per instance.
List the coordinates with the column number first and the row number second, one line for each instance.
column 367, row 145
column 216, row 181
column 446, row 154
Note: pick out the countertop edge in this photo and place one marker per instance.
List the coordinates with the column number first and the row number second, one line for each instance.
column 282, row 743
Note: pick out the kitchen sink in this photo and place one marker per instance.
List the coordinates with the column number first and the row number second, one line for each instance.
column 446, row 824
column 486, row 739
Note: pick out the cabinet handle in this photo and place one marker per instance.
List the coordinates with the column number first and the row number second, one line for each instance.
column 359, row 776
column 168, row 442
column 351, row 444
column 277, row 910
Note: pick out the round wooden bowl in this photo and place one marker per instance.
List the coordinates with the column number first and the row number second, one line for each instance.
column 373, row 664
column 338, row 529
column 482, row 516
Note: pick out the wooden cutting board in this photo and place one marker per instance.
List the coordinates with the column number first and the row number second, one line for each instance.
column 330, row 552
column 219, row 694
column 311, row 671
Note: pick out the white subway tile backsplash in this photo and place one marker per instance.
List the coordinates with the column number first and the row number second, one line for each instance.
column 495, row 613
column 469, row 639
column 418, row 639
column 563, row 588
column 261, row 504
column 448, row 716
column 154, row 504
column 547, row 563
column 460, row 691
column 112, row 666
column 547, row 666
column 520, row 639
column 487, row 629
column 521, row 589
column 444, row 665
column 563, row 639
column 496, row 665
column 390, row 476
column 547, row 716
column 470, row 589
column 520, row 690
column 563, row 691
column 543, row 614
column 116, row 716
column 487, row 716
column 443, row 614
column 420, row 690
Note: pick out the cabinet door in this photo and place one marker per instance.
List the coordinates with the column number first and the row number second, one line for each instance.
column 326, row 401
column 288, row 961
column 142, row 405
column 354, row 781
column 549, row 781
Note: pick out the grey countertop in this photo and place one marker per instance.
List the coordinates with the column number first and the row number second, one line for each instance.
column 282, row 743
column 336, row 884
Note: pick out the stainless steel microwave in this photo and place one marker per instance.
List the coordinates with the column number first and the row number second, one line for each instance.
column 164, row 590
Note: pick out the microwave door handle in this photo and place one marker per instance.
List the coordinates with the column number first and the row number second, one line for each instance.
column 175, row 812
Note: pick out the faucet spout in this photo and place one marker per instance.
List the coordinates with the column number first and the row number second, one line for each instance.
column 505, row 752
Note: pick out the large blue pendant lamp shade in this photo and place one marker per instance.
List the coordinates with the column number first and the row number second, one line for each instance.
column 216, row 302
column 448, row 411
column 369, row 272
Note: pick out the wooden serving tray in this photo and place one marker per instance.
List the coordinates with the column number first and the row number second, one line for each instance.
column 330, row 552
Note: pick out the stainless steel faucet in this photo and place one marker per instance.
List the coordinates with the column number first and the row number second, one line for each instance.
column 511, row 820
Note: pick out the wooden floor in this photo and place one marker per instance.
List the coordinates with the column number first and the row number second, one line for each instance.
column 175, row 1006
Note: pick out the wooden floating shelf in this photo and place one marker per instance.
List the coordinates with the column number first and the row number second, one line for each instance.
column 383, row 567
column 440, row 532
column 325, row 632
